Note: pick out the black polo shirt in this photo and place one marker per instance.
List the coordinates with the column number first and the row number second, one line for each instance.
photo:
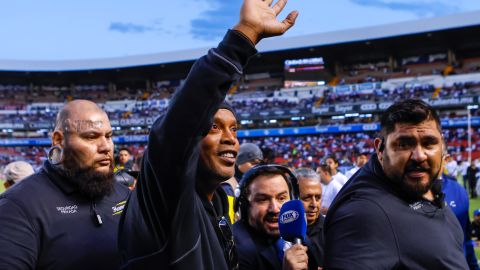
column 45, row 223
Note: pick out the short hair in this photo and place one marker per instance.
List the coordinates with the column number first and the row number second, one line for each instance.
column 124, row 149
column 333, row 158
column 304, row 172
column 269, row 173
column 17, row 170
column 410, row 111
column 325, row 168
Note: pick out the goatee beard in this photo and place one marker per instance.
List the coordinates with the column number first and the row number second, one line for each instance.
column 90, row 183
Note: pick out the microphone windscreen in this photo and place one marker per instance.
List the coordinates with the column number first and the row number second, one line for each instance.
column 292, row 221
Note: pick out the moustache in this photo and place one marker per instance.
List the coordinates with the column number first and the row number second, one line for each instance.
column 417, row 167
column 271, row 217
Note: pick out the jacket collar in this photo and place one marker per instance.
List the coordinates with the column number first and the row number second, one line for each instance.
column 316, row 227
column 375, row 171
column 218, row 207
column 65, row 184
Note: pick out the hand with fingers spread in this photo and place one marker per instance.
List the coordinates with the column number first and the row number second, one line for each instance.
column 295, row 258
column 258, row 19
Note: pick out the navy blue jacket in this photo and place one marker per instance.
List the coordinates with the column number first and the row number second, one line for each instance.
column 167, row 224
column 256, row 251
column 45, row 223
column 317, row 239
column 372, row 225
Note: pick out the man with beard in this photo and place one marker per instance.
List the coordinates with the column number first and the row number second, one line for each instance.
column 263, row 190
column 66, row 215
column 125, row 161
column 392, row 214
column 177, row 217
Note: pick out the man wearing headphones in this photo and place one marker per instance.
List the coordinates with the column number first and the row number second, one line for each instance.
column 392, row 213
column 263, row 190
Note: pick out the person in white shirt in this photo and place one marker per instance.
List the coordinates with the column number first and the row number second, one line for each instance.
column 451, row 166
column 330, row 187
column 332, row 162
column 462, row 168
column 360, row 160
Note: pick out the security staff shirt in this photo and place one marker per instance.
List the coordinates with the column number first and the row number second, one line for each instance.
column 45, row 223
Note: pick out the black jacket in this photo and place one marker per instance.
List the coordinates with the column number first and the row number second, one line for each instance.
column 256, row 251
column 372, row 225
column 315, row 235
column 45, row 223
column 166, row 223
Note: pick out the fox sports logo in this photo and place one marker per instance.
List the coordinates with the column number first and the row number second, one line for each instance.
column 289, row 216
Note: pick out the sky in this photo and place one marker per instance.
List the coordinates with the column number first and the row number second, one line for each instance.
column 94, row 29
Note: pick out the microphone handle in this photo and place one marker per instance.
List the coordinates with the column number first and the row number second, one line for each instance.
column 297, row 241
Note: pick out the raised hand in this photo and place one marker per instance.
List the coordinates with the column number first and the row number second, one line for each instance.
column 258, row 19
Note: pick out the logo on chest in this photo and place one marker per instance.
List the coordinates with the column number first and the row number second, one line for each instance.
column 69, row 209
column 118, row 208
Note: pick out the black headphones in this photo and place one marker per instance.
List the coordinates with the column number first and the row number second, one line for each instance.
column 241, row 201
column 382, row 145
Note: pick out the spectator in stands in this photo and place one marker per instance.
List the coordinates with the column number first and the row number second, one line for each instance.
column 472, row 178
column 263, row 191
column 332, row 162
column 125, row 161
column 330, row 187
column 268, row 155
column 72, row 205
column 392, row 213
column 310, row 192
column 15, row 172
column 360, row 160
column 176, row 218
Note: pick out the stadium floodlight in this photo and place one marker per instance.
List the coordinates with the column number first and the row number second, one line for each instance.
column 469, row 130
column 297, row 118
column 245, row 122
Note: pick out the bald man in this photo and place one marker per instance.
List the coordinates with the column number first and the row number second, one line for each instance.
column 66, row 216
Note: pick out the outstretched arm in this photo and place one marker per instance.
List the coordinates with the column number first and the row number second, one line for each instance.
column 190, row 113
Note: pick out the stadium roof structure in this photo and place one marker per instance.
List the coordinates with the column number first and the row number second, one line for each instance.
column 456, row 33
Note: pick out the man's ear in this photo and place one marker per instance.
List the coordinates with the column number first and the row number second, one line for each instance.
column 379, row 144
column 57, row 138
